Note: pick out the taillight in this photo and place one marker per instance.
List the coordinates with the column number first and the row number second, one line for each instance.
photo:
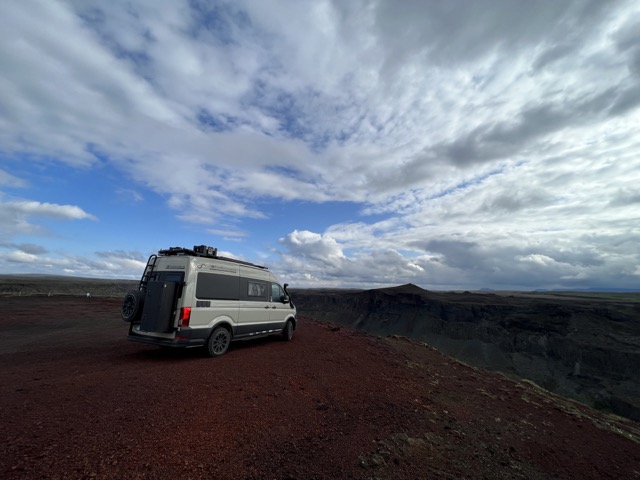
column 185, row 316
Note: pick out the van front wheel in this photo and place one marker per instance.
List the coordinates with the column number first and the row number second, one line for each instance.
column 219, row 342
column 287, row 333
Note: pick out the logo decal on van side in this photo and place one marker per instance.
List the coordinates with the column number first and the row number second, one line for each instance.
column 222, row 269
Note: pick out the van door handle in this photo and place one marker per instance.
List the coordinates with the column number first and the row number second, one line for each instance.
column 273, row 306
column 267, row 306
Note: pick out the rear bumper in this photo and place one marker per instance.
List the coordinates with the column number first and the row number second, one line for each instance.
column 185, row 337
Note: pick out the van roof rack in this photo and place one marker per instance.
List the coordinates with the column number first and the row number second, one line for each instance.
column 205, row 252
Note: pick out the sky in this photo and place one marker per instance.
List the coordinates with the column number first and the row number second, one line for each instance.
column 364, row 143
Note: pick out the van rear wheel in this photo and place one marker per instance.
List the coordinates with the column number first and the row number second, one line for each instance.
column 287, row 332
column 219, row 342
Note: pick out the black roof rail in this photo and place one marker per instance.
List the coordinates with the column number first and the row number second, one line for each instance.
column 205, row 252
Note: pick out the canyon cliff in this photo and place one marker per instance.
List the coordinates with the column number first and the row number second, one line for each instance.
column 582, row 346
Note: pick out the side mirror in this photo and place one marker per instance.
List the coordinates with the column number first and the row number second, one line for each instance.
column 284, row 298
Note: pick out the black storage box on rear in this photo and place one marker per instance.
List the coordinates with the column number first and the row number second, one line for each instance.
column 159, row 306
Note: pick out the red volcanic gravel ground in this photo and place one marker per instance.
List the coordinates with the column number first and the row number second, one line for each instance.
column 80, row 401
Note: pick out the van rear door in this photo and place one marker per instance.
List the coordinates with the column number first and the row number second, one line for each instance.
column 160, row 302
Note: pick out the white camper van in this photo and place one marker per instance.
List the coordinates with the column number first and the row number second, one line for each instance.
column 191, row 298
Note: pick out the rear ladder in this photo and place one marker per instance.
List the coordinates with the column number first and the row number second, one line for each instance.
column 148, row 270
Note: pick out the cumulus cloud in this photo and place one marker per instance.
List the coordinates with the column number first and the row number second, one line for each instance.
column 20, row 218
column 109, row 265
column 320, row 116
column 10, row 180
column 477, row 140
column 43, row 209
column 112, row 263
column 20, row 257
column 320, row 248
column 231, row 233
column 28, row 248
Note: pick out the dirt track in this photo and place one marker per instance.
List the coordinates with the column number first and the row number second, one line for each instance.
column 80, row 401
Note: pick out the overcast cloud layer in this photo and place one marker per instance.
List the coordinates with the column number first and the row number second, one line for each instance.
column 488, row 143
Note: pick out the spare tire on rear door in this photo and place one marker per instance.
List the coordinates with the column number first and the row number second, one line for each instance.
column 132, row 306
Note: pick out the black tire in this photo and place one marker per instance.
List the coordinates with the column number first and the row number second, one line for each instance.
column 287, row 331
column 132, row 306
column 218, row 342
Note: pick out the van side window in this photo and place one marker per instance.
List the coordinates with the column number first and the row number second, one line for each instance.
column 256, row 290
column 212, row 286
column 276, row 292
